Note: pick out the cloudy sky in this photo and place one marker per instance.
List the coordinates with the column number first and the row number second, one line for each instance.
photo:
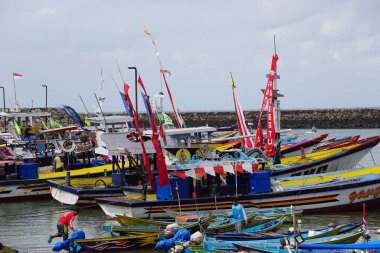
column 329, row 51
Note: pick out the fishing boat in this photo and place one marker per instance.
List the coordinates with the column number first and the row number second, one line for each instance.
column 275, row 237
column 373, row 246
column 210, row 244
column 262, row 228
column 131, row 221
column 307, row 146
column 34, row 185
column 326, row 192
column 191, row 226
column 223, row 225
column 112, row 244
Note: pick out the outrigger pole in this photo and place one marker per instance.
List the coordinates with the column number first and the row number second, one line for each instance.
column 84, row 105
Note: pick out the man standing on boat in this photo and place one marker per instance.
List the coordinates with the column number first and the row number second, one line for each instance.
column 62, row 225
column 238, row 214
column 57, row 163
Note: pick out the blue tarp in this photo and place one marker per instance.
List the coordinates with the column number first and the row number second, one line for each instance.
column 183, row 235
column 79, row 234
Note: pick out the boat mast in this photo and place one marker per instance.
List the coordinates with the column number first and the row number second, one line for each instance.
column 276, row 102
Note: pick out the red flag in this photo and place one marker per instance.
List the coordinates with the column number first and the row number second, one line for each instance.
column 126, row 88
column 171, row 99
column 268, row 98
column 243, row 130
column 238, row 168
column 200, row 171
column 259, row 136
column 17, row 76
column 144, row 154
column 181, row 174
column 161, row 134
column 219, row 169
column 160, row 159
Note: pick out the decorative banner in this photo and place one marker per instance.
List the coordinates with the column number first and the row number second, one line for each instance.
column 160, row 159
column 144, row 154
column 243, row 130
column 268, row 95
column 210, row 171
column 219, row 169
column 171, row 100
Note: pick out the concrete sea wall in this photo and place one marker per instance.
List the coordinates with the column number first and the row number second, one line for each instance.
column 320, row 118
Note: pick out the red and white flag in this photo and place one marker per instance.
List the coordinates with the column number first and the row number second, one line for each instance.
column 243, row 130
column 17, row 76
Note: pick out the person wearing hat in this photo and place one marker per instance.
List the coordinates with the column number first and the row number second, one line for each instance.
column 63, row 223
column 238, row 213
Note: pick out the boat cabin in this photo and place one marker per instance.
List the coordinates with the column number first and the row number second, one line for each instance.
column 110, row 124
column 182, row 137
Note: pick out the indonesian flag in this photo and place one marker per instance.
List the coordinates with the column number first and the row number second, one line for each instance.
column 17, row 76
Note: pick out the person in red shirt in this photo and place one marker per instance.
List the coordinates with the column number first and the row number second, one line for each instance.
column 62, row 225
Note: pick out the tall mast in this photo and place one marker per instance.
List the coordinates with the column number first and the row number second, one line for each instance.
column 276, row 102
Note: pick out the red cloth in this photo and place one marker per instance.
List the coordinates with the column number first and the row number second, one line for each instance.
column 67, row 219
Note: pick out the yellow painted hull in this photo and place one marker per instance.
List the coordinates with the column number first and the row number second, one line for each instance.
column 320, row 178
column 79, row 172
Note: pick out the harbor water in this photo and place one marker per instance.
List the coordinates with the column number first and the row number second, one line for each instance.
column 26, row 226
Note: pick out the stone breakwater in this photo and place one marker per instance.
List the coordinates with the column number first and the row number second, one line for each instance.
column 320, row 118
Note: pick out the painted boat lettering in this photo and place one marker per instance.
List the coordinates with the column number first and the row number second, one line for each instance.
column 364, row 194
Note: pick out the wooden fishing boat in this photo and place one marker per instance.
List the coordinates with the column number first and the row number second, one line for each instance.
column 210, row 244
column 307, row 145
column 113, row 244
column 327, row 192
column 262, row 228
column 191, row 226
column 222, row 225
column 131, row 221
column 325, row 161
column 338, row 144
column 37, row 187
column 274, row 237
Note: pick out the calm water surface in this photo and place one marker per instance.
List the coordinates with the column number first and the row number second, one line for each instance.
column 26, row 226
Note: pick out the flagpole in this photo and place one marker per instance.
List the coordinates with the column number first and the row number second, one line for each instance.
column 179, row 200
column 105, row 122
column 14, row 87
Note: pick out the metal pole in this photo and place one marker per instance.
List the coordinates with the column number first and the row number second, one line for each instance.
column 84, row 105
column 14, row 87
column 135, row 69
column 5, row 118
column 46, row 97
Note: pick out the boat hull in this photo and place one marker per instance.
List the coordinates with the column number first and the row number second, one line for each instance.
column 338, row 197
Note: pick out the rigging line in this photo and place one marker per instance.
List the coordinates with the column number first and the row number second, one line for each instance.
column 117, row 87
column 373, row 159
column 156, row 50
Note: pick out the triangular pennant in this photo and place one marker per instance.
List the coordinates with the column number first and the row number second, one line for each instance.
column 181, row 174
column 190, row 173
column 238, row 168
column 200, row 171
column 210, row 171
column 229, row 168
column 247, row 167
column 219, row 169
